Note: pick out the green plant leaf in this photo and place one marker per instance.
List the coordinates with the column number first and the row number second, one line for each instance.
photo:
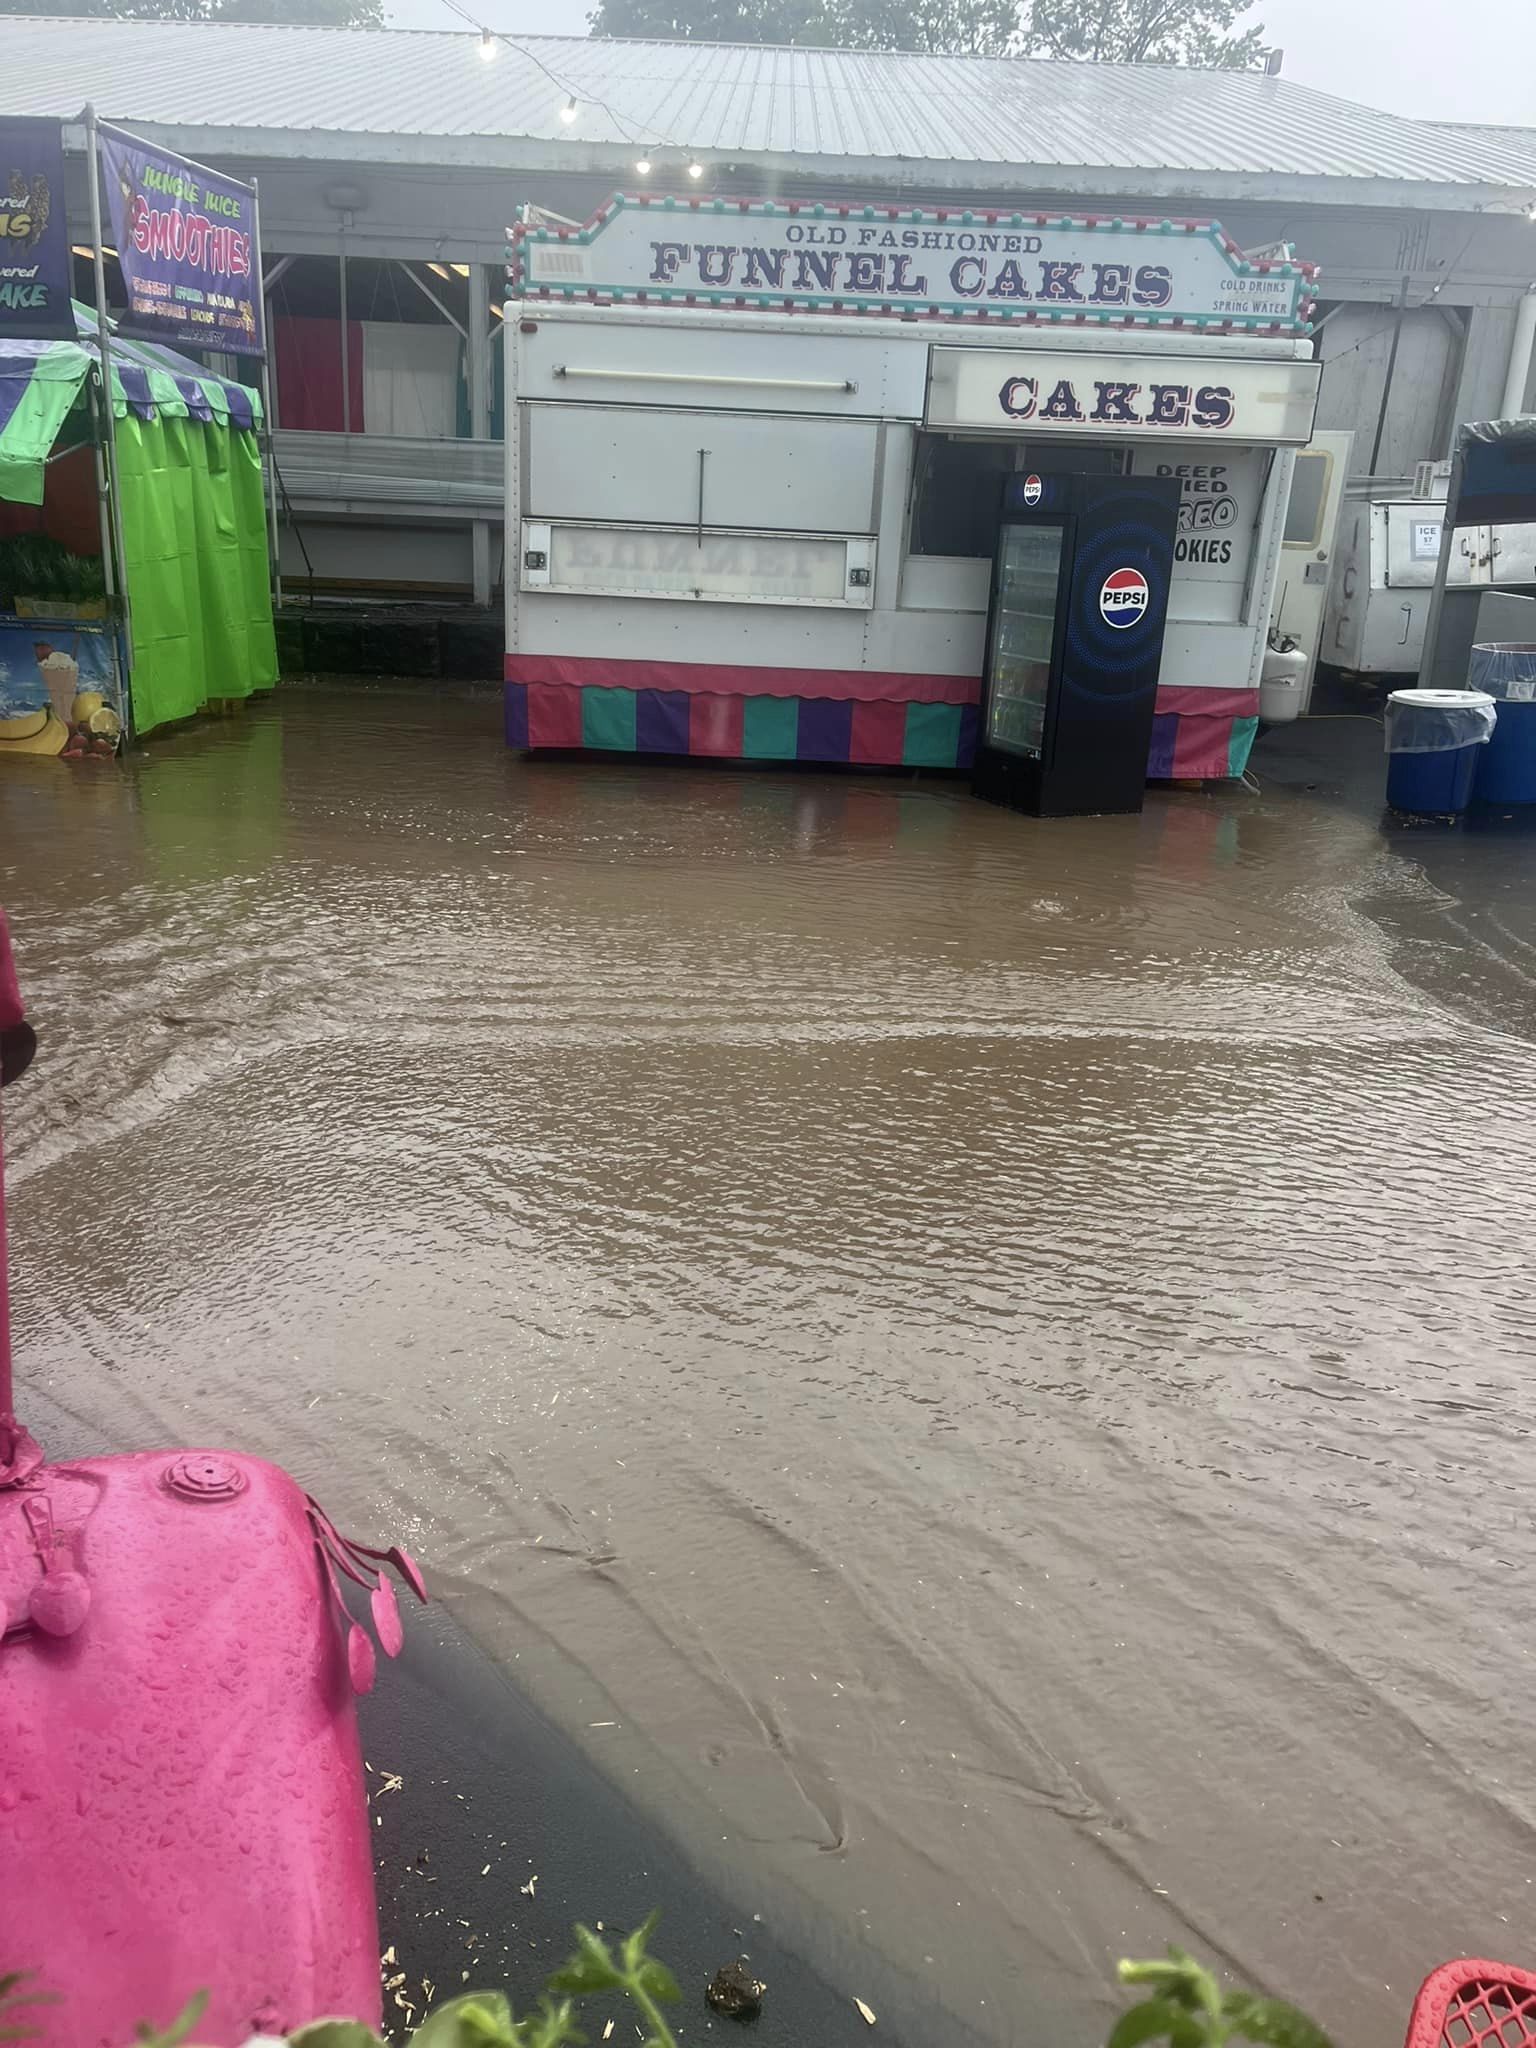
column 1157, row 2019
column 179, row 2028
column 1178, row 1977
column 552, row 2026
column 335, row 2034
column 1271, row 2022
column 658, row 1982
column 635, row 1944
column 591, row 1968
column 475, row 2020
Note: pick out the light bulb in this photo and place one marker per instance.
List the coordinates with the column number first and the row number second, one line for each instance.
column 643, row 166
column 487, row 46
column 695, row 170
column 568, row 112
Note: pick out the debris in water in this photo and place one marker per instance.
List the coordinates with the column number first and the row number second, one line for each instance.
column 608, row 2031
column 735, row 1991
column 864, row 2012
column 528, row 1887
column 487, row 1871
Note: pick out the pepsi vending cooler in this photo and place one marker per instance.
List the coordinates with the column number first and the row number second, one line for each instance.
column 1075, row 642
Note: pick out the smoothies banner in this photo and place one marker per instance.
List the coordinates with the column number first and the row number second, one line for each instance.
column 186, row 239
column 34, row 234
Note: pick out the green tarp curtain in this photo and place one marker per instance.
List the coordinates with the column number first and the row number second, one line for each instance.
column 195, row 537
column 192, row 506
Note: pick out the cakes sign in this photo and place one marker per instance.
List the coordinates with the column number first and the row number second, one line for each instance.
column 718, row 252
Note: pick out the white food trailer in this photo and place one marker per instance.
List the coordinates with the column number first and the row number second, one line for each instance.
column 756, row 452
column 1384, row 570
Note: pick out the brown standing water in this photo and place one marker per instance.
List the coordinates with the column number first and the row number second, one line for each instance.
column 998, row 1354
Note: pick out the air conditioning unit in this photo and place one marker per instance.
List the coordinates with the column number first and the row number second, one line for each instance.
column 1431, row 479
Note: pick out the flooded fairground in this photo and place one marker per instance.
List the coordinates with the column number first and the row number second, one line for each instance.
column 982, row 1368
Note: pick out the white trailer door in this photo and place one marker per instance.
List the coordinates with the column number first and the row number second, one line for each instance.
column 655, row 466
column 1306, row 552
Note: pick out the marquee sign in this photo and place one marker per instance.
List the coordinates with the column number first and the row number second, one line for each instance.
column 1044, row 391
column 944, row 264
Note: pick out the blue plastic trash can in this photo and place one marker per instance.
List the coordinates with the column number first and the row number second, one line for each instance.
column 1506, row 768
column 1433, row 740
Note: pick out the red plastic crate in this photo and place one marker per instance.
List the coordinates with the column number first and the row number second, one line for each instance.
column 1474, row 2004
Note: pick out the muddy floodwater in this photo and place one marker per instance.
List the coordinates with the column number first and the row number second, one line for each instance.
column 984, row 1368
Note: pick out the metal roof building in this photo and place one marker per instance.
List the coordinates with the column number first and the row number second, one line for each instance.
column 391, row 162
column 411, row 96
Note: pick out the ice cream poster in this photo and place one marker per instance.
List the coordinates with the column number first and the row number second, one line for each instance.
column 60, row 691
column 186, row 241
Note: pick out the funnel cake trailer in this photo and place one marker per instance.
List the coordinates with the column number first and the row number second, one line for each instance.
column 757, row 455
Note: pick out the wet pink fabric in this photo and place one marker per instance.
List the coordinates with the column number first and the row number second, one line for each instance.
column 180, row 1780
column 182, row 1805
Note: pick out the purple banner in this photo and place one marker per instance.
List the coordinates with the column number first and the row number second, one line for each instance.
column 34, row 234
column 186, row 240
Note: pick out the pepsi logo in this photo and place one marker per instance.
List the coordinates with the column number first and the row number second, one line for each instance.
column 1124, row 598
column 1033, row 490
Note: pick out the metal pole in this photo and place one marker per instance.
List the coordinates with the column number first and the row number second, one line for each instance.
column 1386, row 384
column 269, row 453
column 119, row 575
column 1442, row 567
column 1518, row 375
column 477, row 368
column 346, row 346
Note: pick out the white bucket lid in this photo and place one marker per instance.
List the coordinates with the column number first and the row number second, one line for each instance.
column 1443, row 700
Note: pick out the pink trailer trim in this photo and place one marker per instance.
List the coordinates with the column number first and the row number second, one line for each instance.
column 1190, row 701
column 736, row 679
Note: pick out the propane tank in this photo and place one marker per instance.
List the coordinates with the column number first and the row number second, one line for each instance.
column 1282, row 680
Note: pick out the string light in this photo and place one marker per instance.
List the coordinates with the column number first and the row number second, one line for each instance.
column 629, row 130
column 643, row 166
column 695, row 170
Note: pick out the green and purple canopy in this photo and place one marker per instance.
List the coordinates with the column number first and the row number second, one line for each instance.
column 41, row 383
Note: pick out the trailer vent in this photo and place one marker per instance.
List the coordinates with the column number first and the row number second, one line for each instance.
column 1431, row 479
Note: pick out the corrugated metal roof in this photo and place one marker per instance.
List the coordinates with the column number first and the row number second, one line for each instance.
column 798, row 108
column 1517, row 142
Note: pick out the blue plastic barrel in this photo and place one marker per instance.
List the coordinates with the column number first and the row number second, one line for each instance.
column 1434, row 738
column 1506, row 768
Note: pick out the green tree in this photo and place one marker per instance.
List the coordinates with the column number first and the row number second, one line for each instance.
column 1198, row 32
column 315, row 13
column 966, row 27
column 1094, row 31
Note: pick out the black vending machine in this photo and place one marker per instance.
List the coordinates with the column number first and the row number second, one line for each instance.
column 1075, row 641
